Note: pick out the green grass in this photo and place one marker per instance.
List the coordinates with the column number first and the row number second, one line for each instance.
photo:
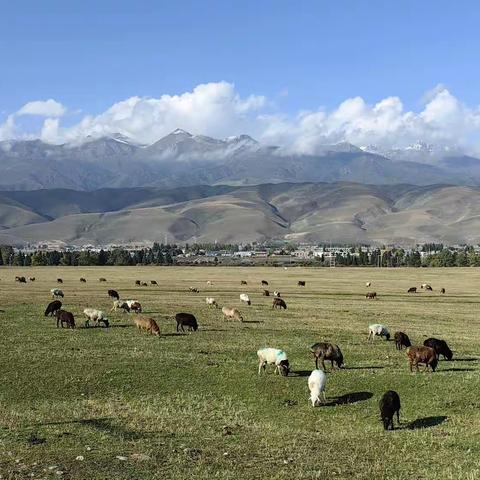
column 193, row 406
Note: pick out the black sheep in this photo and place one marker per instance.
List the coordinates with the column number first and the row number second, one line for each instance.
column 401, row 340
column 114, row 294
column 53, row 307
column 186, row 320
column 440, row 347
column 65, row 317
column 389, row 404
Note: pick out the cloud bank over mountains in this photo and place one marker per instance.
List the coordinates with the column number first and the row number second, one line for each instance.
column 218, row 110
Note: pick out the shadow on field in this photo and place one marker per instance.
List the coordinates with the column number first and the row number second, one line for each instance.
column 300, row 373
column 465, row 359
column 456, row 369
column 426, row 422
column 364, row 368
column 252, row 321
column 349, row 398
column 176, row 334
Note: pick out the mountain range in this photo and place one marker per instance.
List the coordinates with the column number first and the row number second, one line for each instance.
column 339, row 212
column 183, row 159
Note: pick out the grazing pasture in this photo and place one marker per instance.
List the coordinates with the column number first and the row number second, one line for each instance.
column 119, row 403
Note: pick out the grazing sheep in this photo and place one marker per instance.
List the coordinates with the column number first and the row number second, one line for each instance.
column 279, row 303
column 52, row 307
column 401, row 340
column 153, row 282
column 368, row 284
column 59, row 280
column 209, row 282
column 266, row 293
column 379, row 330
column 273, row 356
column 186, row 320
column 136, row 307
column 65, row 317
column 32, row 279
column 211, row 302
column 276, row 294
column 264, row 282
column 243, row 282
column 429, row 288
column 425, row 355
column 442, row 291
column 138, row 282
column 101, row 279
column 389, row 405
column 21, row 279
column 232, row 314
column 83, row 280
column 245, row 298
column 327, row 351
column 144, row 284
column 148, row 324
column 371, row 296
column 426, row 286
column 120, row 304
column 316, row 384
column 96, row 316
column 301, row 283
column 440, row 347
column 193, row 290
column 56, row 292
column 412, row 290
column 113, row 294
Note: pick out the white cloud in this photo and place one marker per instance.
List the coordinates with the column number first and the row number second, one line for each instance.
column 43, row 108
column 218, row 110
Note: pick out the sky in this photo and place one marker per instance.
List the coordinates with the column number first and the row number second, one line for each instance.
column 297, row 73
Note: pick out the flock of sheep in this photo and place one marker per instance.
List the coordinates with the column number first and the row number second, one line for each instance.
column 427, row 354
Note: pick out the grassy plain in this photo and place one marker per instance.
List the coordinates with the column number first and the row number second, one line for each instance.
column 132, row 406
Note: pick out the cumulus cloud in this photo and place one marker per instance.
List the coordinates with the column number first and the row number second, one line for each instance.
column 43, row 108
column 218, row 110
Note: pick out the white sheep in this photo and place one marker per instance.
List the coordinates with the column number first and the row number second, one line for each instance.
column 232, row 314
column 273, row 356
column 56, row 292
column 378, row 330
column 209, row 282
column 276, row 294
column 95, row 316
column 211, row 302
column 316, row 384
column 245, row 298
column 131, row 302
column 368, row 284
column 120, row 304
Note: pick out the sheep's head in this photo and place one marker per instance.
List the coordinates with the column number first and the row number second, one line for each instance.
column 284, row 367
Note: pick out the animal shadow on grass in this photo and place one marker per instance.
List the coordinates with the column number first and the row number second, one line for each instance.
column 456, row 369
column 349, row 398
column 252, row 321
column 472, row 359
column 301, row 373
column 175, row 334
column 425, row 422
column 370, row 367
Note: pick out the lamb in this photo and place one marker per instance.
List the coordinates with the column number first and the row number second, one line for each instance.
column 379, row 330
column 316, row 384
column 425, row 355
column 211, row 302
column 130, row 303
column 120, row 304
column 327, row 351
column 148, row 324
column 113, row 294
column 401, row 340
column 371, row 296
column 56, row 292
column 426, row 286
column 232, row 314
column 186, row 320
column 279, row 303
column 245, row 298
column 65, row 317
column 440, row 347
column 389, row 405
column 52, row 307
column 96, row 316
column 273, row 356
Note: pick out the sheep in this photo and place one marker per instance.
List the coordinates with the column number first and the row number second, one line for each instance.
column 138, row 282
column 65, row 317
column 429, row 288
column 59, row 280
column 401, row 340
column 245, row 298
column 148, row 324
column 327, row 351
column 412, row 290
column 276, row 294
column 264, row 282
column 389, row 405
column 136, row 307
column 83, row 280
column 266, row 293
column 316, row 384
column 186, row 320
column 273, row 356
column 113, row 294
column 153, row 282
column 243, row 282
column 425, row 355
column 144, row 284
column 120, row 304
column 368, row 284
column 371, row 296
column 379, row 330
column 232, row 314
column 279, row 303
column 426, row 286
column 52, row 307
column 21, row 279
column 211, row 302
column 32, row 279
column 209, row 283
column 56, row 292
column 95, row 316
column 440, row 347
column 130, row 303
column 101, row 279
column 193, row 290
column 301, row 283
column 442, row 291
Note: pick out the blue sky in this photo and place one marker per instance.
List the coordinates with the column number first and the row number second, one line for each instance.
column 303, row 55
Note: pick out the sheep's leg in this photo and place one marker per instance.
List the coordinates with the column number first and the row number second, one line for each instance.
column 324, row 397
column 260, row 365
column 322, row 358
column 316, row 362
column 398, row 416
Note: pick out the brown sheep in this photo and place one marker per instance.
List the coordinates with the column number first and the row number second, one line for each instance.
column 327, row 351
column 401, row 340
column 65, row 317
column 148, row 324
column 279, row 303
column 371, row 296
column 425, row 355
column 136, row 307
